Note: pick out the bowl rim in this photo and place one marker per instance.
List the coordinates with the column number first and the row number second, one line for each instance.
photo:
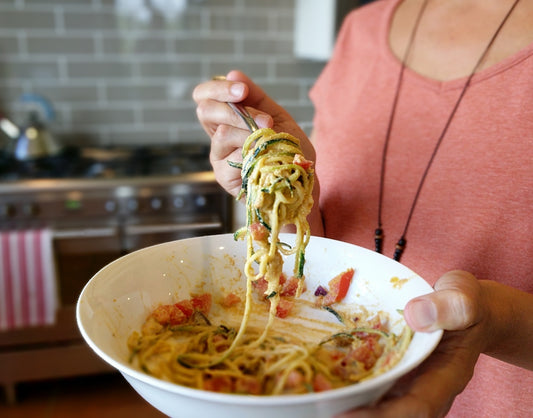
column 389, row 377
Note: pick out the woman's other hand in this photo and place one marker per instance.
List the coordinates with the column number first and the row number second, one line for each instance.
column 478, row 317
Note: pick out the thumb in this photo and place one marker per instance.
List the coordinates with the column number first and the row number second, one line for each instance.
column 455, row 304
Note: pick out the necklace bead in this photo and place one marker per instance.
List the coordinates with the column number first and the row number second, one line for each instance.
column 400, row 246
column 378, row 239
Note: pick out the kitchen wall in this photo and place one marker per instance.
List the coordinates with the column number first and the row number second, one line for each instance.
column 121, row 72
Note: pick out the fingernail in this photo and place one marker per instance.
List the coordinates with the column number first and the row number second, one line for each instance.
column 263, row 121
column 237, row 90
column 422, row 314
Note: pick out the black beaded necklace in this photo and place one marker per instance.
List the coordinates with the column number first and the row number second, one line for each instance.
column 379, row 234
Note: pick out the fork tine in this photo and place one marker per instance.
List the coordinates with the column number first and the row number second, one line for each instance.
column 246, row 117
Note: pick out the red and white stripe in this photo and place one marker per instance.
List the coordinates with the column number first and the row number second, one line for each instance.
column 28, row 292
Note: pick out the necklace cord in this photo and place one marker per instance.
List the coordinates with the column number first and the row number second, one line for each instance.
column 378, row 236
column 394, row 106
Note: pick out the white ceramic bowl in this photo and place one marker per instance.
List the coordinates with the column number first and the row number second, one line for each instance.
column 118, row 298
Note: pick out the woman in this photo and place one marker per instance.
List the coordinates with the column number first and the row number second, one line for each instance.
column 423, row 142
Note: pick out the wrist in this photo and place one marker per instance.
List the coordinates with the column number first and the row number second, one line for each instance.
column 507, row 323
column 494, row 316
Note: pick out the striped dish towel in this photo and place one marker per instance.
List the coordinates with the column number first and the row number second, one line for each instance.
column 28, row 292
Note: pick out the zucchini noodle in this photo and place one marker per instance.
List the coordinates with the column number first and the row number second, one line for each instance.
column 277, row 184
column 277, row 181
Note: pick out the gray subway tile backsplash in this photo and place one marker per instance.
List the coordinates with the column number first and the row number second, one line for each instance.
column 124, row 76
column 166, row 68
column 16, row 18
column 20, row 71
column 60, row 45
column 102, row 68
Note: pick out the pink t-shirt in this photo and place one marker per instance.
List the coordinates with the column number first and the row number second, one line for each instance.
column 475, row 209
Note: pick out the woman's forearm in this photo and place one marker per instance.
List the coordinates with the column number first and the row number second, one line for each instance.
column 509, row 324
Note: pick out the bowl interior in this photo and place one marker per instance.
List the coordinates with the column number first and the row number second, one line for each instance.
column 118, row 298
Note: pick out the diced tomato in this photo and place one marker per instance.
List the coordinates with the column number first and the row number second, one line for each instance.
column 186, row 307
column 177, row 316
column 162, row 314
column 294, row 379
column 202, row 303
column 218, row 384
column 338, row 287
column 284, row 307
column 366, row 354
column 335, row 355
column 258, row 231
column 230, row 300
column 260, row 286
column 282, row 279
column 321, row 383
column 302, row 162
column 248, row 385
column 290, row 286
column 169, row 314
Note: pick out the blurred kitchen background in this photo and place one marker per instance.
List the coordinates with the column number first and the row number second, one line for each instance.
column 101, row 154
column 121, row 72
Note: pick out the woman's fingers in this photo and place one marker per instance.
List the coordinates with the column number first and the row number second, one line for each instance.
column 225, row 141
column 220, row 90
column 226, row 146
column 212, row 114
column 211, row 108
column 211, row 98
column 455, row 304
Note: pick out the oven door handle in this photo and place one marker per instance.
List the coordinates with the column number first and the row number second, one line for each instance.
column 165, row 228
column 80, row 233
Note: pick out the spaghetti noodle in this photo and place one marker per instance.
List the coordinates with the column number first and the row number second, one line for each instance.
column 282, row 364
column 277, row 181
column 181, row 345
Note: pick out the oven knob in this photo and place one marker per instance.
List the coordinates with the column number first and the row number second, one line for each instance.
column 132, row 205
column 179, row 202
column 200, row 201
column 110, row 206
column 30, row 209
column 7, row 210
column 156, row 203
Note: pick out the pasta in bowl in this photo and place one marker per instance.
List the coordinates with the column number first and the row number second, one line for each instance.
column 117, row 301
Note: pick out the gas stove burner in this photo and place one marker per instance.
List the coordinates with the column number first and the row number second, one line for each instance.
column 147, row 161
column 143, row 161
column 66, row 164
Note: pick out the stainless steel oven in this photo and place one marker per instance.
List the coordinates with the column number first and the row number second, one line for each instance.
column 94, row 220
column 98, row 221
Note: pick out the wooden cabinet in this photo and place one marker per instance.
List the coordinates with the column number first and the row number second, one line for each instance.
column 38, row 353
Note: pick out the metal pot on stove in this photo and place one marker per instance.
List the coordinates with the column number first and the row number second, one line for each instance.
column 33, row 140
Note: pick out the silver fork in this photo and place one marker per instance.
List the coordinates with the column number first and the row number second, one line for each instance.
column 240, row 110
column 245, row 116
